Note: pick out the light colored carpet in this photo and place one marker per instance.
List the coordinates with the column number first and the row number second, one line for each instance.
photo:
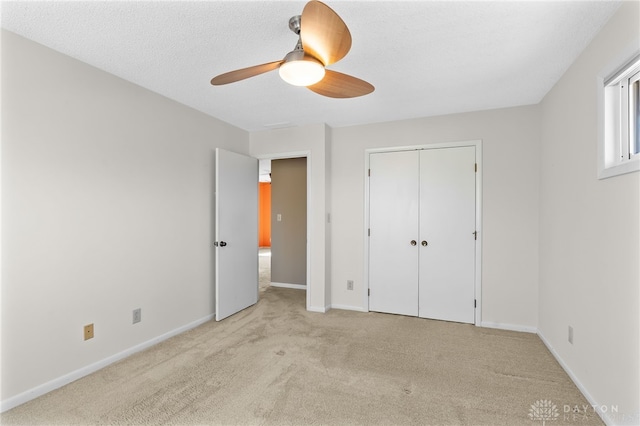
column 275, row 363
column 264, row 267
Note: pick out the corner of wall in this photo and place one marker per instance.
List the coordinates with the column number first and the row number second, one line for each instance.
column 588, row 227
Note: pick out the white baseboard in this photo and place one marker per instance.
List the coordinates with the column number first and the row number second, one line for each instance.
column 349, row 308
column 44, row 388
column 605, row 416
column 287, row 285
column 40, row 390
column 597, row 407
column 510, row 327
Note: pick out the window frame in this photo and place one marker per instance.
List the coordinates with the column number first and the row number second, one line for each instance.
column 634, row 107
column 615, row 119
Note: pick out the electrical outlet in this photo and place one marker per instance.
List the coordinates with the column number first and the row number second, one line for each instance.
column 88, row 331
column 570, row 335
column 349, row 284
column 137, row 315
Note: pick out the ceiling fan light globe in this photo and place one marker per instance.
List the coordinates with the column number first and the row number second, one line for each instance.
column 303, row 72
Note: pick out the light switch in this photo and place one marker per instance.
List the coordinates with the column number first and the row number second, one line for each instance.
column 279, row 217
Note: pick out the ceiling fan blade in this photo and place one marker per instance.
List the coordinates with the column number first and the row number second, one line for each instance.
column 323, row 33
column 338, row 85
column 241, row 74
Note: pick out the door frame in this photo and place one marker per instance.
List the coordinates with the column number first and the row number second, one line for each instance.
column 307, row 155
column 478, row 261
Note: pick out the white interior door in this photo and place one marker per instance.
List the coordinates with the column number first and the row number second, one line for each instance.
column 393, row 224
column 447, row 226
column 236, row 232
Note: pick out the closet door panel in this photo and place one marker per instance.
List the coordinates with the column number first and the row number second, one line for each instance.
column 447, row 224
column 393, row 222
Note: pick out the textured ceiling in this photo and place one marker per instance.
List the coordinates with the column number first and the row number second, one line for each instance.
column 425, row 58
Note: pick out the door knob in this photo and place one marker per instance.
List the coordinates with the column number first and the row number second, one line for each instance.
column 220, row 244
column 413, row 242
column 424, row 243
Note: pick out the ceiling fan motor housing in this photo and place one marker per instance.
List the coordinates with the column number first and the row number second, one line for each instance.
column 301, row 69
column 300, row 55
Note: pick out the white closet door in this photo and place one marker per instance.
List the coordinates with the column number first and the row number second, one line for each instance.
column 393, row 221
column 447, row 225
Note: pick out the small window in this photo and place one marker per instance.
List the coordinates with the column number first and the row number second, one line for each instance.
column 620, row 139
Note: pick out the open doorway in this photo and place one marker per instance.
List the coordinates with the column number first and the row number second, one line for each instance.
column 283, row 223
column 264, row 225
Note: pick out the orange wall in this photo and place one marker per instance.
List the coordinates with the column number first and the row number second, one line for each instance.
column 264, row 224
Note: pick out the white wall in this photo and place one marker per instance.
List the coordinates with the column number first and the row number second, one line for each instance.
column 590, row 235
column 510, row 204
column 308, row 141
column 106, row 207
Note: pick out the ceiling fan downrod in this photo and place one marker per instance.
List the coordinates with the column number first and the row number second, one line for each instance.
column 294, row 24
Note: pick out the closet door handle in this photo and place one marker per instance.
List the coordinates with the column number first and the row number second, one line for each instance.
column 424, row 243
column 413, row 242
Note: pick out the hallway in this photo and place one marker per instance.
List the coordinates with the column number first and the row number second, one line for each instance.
column 264, row 268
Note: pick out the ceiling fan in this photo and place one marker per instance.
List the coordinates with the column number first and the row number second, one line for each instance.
column 323, row 39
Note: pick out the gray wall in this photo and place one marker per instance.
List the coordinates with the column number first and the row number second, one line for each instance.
column 289, row 235
column 106, row 207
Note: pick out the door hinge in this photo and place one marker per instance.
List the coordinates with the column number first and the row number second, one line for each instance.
column 369, row 292
column 475, row 304
column 475, row 167
column 369, row 172
column 369, row 232
column 475, row 235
